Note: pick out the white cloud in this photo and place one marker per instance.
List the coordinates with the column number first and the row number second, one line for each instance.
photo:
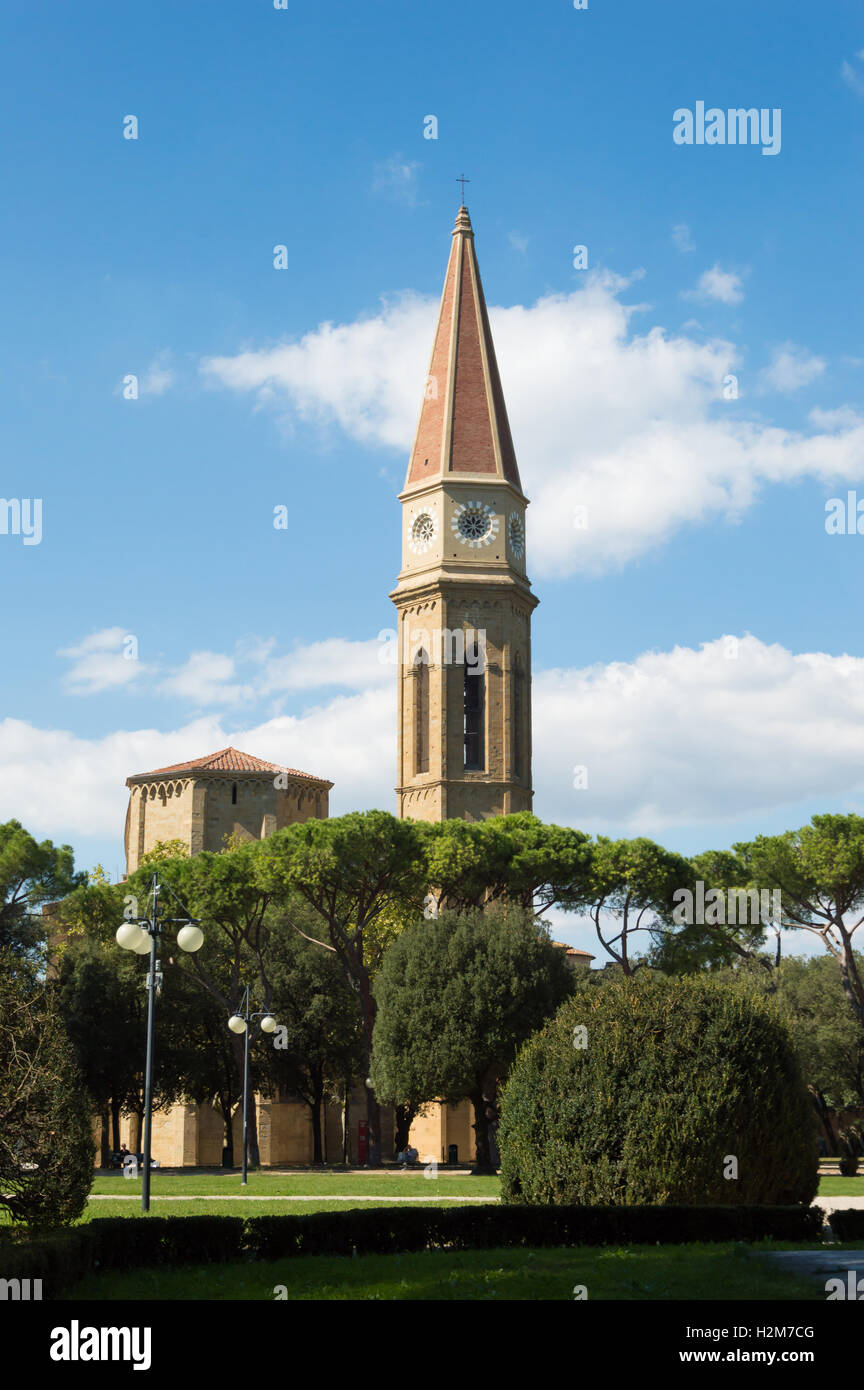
column 690, row 736
column 396, row 178
column 519, row 243
column 791, row 368
column 254, row 672
column 334, row 661
column 159, row 375
column 843, row 418
column 683, row 238
column 722, row 285
column 670, row 740
column 105, row 660
column 207, row 678
column 852, row 77
column 631, row 426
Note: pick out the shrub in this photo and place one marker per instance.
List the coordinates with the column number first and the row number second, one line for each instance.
column 46, row 1144
column 61, row 1260
column 848, row 1224
column 676, row 1078
column 122, row 1242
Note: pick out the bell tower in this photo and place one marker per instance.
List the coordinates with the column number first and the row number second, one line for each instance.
column 463, row 598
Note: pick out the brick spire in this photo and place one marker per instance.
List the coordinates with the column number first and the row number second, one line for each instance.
column 463, row 426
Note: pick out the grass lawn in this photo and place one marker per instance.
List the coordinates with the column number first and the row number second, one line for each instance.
column 301, row 1184
column 632, row 1273
column 841, row 1187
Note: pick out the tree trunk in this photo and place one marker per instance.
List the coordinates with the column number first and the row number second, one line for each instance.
column 851, row 980
column 317, row 1152
column 115, row 1125
column 404, row 1118
column 485, row 1103
column 346, row 1133
column 373, row 1109
column 225, row 1107
column 104, row 1141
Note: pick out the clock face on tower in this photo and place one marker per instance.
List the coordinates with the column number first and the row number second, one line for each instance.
column 474, row 524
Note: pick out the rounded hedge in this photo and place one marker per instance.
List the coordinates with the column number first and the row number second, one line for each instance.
column 646, row 1090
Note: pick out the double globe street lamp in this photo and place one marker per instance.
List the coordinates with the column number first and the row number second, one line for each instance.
column 143, row 935
column 239, row 1023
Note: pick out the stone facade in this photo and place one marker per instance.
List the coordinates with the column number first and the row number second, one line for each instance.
column 463, row 597
column 227, row 795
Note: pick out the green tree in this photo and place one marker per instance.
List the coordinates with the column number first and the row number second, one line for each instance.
column 517, row 858
column 456, row 999
column 319, row 1040
column 828, row 1039
column 819, row 873
column 734, row 929
column 632, row 887
column 31, row 875
column 357, row 873
column 104, row 1010
column 46, row 1143
column 227, row 894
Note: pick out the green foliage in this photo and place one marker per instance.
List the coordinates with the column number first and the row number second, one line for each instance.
column 46, row 1144
column 124, row 1243
column 848, row 1224
column 319, row 1042
column 457, row 997
column 819, row 872
column 162, row 850
column 827, row 1036
column 31, row 874
column 104, row 1010
column 631, row 888
column 674, row 1078
column 532, row 864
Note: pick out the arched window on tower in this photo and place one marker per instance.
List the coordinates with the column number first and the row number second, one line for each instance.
column 421, row 712
column 474, row 687
column 234, row 794
column 518, row 717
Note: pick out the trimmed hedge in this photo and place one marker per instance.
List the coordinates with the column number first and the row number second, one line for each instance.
column 647, row 1090
column 848, row 1224
column 63, row 1260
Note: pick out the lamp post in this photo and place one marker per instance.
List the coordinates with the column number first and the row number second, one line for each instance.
column 239, row 1023
column 143, row 935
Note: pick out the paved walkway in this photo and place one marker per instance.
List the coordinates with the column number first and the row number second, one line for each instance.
column 819, row 1265
column 829, row 1204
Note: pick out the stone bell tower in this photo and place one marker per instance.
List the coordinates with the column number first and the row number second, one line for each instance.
column 463, row 598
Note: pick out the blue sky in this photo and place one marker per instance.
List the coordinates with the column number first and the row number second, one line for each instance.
column 304, row 127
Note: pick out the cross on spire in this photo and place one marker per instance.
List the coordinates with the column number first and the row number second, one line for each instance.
column 462, row 179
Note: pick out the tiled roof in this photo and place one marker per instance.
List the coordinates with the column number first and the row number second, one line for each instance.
column 229, row 760
column 463, row 423
column 573, row 950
